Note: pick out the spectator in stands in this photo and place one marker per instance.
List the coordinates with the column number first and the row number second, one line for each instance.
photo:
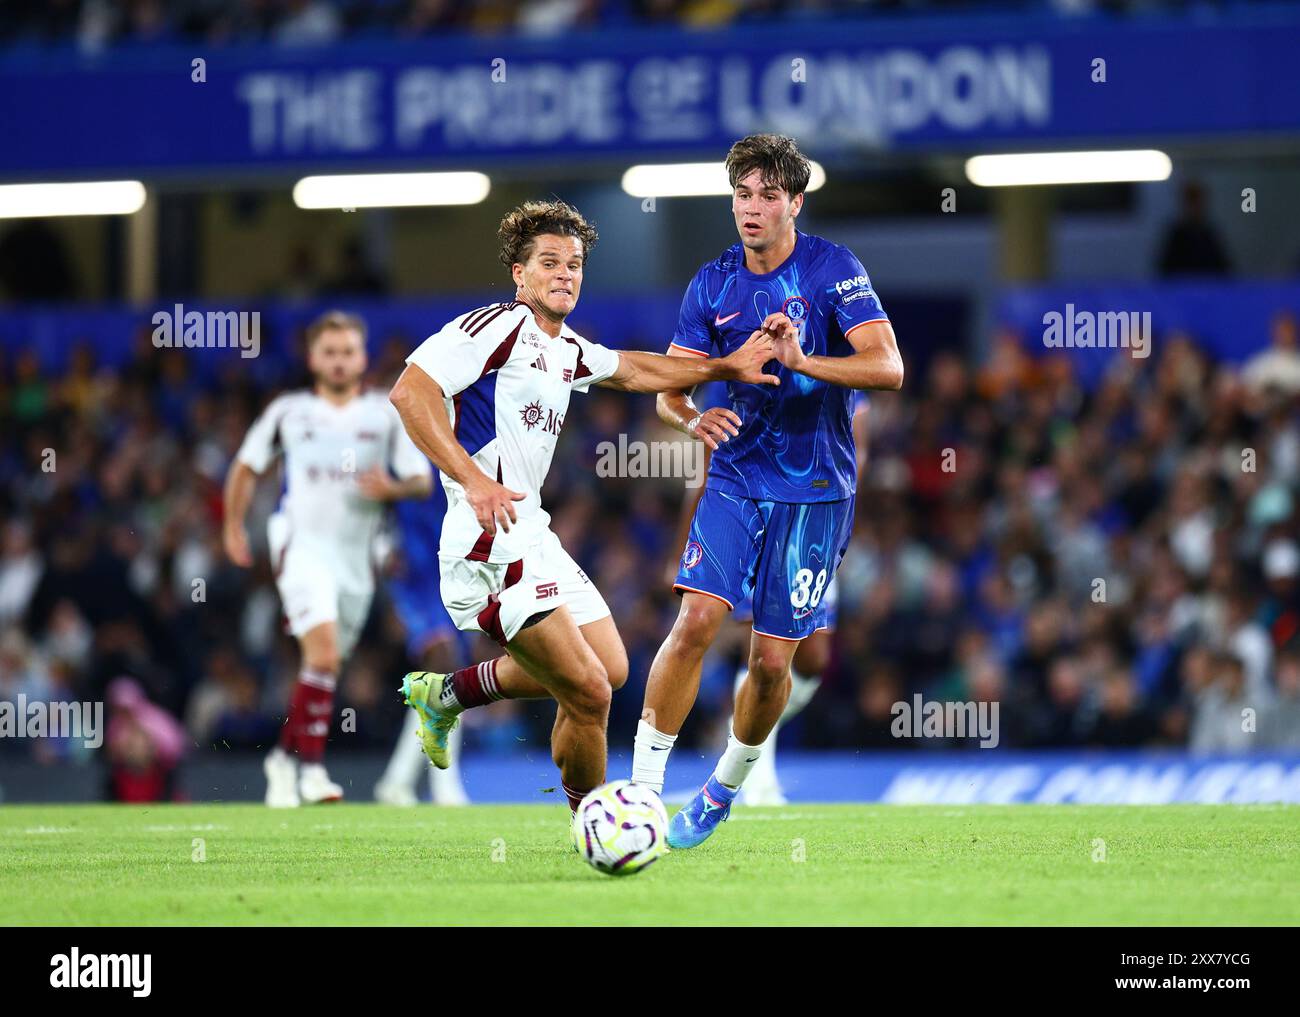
column 356, row 277
column 20, row 570
column 1191, row 244
column 307, row 23
column 1277, row 367
column 143, row 747
column 1279, row 723
column 1218, row 721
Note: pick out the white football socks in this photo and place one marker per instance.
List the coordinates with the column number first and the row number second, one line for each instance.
column 802, row 689
column 650, row 756
column 407, row 761
column 446, row 786
column 736, row 762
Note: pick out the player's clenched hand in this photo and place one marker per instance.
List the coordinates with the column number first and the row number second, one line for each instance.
column 235, row 539
column 493, row 504
column 714, row 425
column 777, row 324
column 746, row 363
column 377, row 485
column 785, row 341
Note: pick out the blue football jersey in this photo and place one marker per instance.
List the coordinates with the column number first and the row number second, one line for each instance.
column 796, row 438
column 419, row 523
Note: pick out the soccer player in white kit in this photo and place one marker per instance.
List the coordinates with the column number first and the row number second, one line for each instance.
column 346, row 455
column 485, row 399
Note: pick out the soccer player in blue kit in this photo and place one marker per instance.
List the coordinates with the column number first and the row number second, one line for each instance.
column 777, row 510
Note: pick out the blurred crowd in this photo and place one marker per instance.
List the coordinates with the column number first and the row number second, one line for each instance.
column 1114, row 568
column 92, row 24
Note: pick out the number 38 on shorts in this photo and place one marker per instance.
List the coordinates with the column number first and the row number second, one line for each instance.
column 781, row 555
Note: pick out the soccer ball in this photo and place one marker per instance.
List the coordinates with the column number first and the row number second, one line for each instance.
column 621, row 828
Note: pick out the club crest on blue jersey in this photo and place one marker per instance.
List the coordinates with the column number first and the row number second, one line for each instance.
column 796, row 309
column 692, row 556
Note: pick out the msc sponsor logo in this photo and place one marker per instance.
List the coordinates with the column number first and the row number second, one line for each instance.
column 533, row 414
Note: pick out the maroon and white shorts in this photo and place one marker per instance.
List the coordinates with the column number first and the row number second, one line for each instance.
column 497, row 599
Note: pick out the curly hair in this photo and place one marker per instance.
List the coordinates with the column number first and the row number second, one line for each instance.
column 776, row 157
column 523, row 225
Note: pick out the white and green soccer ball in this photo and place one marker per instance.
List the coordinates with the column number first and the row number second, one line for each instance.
column 621, row 828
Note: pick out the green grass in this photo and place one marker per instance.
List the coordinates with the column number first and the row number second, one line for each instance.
column 369, row 864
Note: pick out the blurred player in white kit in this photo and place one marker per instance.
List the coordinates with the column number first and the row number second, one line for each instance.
column 346, row 455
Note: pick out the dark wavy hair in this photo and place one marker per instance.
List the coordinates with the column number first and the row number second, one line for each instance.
column 523, row 225
column 776, row 157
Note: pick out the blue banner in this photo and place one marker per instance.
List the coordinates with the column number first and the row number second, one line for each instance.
column 998, row 777
column 940, row 83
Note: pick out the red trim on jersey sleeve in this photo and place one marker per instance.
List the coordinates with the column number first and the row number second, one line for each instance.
column 687, row 349
column 582, row 370
column 502, row 353
column 873, row 321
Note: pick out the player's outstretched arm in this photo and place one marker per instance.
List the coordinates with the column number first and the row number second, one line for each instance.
column 655, row 372
column 714, row 426
column 380, row 485
column 876, row 364
column 241, row 482
column 419, row 401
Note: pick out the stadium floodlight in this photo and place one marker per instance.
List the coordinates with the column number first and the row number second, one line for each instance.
column 690, row 180
column 1029, row 168
column 391, row 190
column 102, row 197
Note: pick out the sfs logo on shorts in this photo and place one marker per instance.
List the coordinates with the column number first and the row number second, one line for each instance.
column 545, row 590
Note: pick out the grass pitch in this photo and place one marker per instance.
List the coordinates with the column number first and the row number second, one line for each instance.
column 512, row 865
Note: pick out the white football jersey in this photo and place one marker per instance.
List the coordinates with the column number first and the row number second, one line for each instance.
column 326, row 448
column 507, row 386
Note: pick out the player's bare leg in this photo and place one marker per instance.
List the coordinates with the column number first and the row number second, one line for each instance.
column 674, row 679
column 759, row 702
column 503, row 677
column 673, row 684
column 295, row 772
column 555, row 653
column 811, row 659
column 762, row 695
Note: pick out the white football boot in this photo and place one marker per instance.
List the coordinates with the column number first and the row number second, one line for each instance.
column 314, row 785
column 281, row 780
column 395, row 794
column 445, row 786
